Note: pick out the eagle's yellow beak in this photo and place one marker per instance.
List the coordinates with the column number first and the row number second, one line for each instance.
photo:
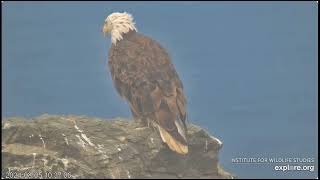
column 106, row 29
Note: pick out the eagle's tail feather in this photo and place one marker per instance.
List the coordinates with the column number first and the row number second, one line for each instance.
column 173, row 144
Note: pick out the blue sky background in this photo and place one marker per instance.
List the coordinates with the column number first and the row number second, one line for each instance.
column 249, row 69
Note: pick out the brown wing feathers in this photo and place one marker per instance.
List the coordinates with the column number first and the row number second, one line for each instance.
column 144, row 76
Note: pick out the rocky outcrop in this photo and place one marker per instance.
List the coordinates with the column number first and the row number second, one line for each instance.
column 52, row 146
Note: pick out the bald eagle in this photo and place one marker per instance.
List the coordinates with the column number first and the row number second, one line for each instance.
column 145, row 77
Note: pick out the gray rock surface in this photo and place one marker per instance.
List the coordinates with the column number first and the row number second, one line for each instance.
column 71, row 146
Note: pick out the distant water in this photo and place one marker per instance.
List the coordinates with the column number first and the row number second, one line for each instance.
column 249, row 69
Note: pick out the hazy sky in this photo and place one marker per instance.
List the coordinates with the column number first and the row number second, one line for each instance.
column 249, row 69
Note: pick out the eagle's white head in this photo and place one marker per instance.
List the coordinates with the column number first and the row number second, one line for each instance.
column 118, row 24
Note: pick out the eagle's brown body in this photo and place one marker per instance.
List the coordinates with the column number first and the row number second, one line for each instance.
column 144, row 75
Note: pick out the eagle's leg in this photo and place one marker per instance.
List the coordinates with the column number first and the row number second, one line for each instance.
column 142, row 121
